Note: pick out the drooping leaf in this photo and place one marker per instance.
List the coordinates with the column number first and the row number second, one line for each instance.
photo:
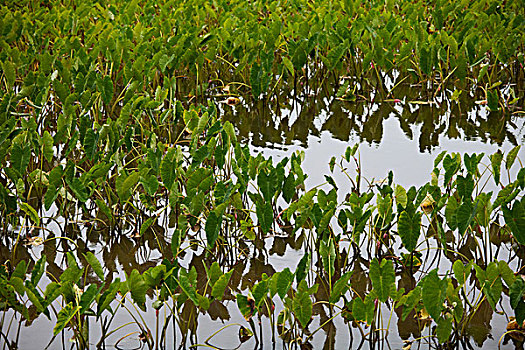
column 38, row 270
column 219, row 287
column 64, row 316
column 108, row 296
column 511, row 157
column 124, row 184
column 30, row 212
column 495, row 161
column 95, row 264
column 340, row 287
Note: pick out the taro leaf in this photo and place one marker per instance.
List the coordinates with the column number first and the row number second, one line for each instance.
column 409, row 229
column 201, row 125
column 300, row 272
column 88, row 297
column 335, row 55
column 472, row 161
column 204, row 302
column 520, row 312
column 31, row 212
column 55, row 176
column 191, row 119
column 437, row 17
column 401, row 196
column 53, row 291
column 364, row 310
column 9, row 73
column 264, row 215
column 434, row 292
column 506, row 273
column 20, row 270
column 187, row 287
column 425, row 60
column 260, row 291
column 154, row 276
column 412, row 299
column 107, row 297
column 124, row 184
column 38, row 270
column 516, row 291
column 384, row 206
column 506, row 195
column 214, row 272
column 288, row 64
column 212, row 228
column 284, row 282
column 230, row 131
column 267, row 185
column 219, row 287
column 90, row 143
column 64, row 316
column 47, row 141
column 451, row 163
column 106, row 89
column 176, row 239
column 461, row 67
column 465, row 186
column 443, row 329
column 495, row 161
column 490, row 282
column 50, row 196
column 327, row 252
column 511, row 157
column 492, row 100
column 138, row 288
column 464, row 216
column 201, row 179
column 95, row 264
column 244, row 306
column 461, row 271
column 168, row 171
column 382, row 277
column 515, row 219
column 340, row 287
column 255, row 79
column 302, row 306
column 77, row 187
column 20, row 156
column 146, row 225
column 34, row 296
column 451, row 213
column 299, row 57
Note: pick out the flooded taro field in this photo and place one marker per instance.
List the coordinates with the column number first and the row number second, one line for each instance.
column 286, row 174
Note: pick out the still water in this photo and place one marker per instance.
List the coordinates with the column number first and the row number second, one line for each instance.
column 402, row 136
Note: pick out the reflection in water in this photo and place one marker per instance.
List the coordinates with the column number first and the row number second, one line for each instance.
column 287, row 119
column 121, row 252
